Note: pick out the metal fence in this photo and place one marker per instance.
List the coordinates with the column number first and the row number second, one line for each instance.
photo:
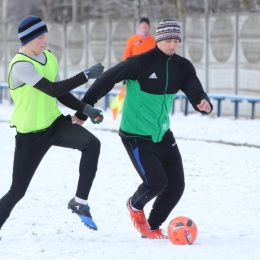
column 225, row 50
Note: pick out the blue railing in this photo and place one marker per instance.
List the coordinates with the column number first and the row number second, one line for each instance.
column 236, row 99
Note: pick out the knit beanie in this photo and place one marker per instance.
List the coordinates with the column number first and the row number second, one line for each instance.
column 168, row 29
column 144, row 20
column 30, row 28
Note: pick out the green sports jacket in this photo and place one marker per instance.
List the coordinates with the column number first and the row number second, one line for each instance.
column 153, row 80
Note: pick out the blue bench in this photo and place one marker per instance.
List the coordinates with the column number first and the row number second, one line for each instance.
column 181, row 95
column 218, row 97
column 236, row 99
column 3, row 86
column 81, row 92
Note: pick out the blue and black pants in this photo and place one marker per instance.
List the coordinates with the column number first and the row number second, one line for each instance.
column 160, row 168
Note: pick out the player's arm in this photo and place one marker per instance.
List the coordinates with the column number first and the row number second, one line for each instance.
column 25, row 72
column 193, row 89
column 129, row 69
column 33, row 78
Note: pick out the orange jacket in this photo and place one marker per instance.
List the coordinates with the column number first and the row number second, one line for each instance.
column 136, row 45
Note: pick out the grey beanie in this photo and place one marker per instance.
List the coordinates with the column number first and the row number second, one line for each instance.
column 168, row 29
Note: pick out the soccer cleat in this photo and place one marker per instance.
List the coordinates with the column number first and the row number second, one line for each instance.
column 83, row 211
column 156, row 234
column 138, row 219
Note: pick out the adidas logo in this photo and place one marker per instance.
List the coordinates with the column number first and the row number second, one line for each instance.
column 153, row 76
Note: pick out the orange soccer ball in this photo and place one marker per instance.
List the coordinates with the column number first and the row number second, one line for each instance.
column 182, row 231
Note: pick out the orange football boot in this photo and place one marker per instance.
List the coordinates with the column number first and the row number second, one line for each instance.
column 138, row 219
column 156, row 234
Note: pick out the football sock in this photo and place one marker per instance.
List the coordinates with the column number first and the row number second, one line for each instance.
column 133, row 208
column 81, row 201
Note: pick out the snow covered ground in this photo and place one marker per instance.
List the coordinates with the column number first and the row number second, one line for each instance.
column 221, row 159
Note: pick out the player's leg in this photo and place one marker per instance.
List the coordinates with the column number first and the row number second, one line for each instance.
column 146, row 162
column 29, row 151
column 74, row 136
column 145, row 159
column 168, row 199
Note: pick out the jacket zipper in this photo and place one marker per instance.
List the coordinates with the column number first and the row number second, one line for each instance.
column 163, row 104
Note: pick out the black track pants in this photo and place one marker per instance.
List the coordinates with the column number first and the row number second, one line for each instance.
column 31, row 148
column 160, row 168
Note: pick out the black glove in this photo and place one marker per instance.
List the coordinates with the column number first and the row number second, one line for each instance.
column 94, row 114
column 95, row 71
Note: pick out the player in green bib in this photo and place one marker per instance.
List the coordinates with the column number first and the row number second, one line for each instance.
column 35, row 87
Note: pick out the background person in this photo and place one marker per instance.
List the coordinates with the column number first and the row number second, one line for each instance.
column 39, row 122
column 140, row 42
column 136, row 44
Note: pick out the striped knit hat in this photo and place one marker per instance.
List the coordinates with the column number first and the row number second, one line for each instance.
column 168, row 29
column 30, row 28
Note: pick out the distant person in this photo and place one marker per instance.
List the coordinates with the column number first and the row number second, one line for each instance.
column 140, row 42
column 153, row 80
column 136, row 44
column 35, row 84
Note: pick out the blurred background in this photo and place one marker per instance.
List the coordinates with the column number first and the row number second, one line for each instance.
column 220, row 37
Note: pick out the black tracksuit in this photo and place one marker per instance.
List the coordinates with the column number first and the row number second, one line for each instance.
column 152, row 81
column 30, row 148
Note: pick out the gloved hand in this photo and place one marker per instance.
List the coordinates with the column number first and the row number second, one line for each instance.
column 95, row 71
column 94, row 114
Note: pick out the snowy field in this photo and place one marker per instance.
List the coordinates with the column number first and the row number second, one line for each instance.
column 221, row 159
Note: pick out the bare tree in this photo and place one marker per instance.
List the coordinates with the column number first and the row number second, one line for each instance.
column 15, row 11
column 66, row 10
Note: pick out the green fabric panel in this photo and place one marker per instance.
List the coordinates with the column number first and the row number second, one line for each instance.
column 144, row 113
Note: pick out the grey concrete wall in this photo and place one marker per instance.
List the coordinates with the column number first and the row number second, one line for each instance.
column 225, row 50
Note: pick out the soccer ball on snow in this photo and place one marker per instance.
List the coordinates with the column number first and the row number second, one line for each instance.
column 182, row 231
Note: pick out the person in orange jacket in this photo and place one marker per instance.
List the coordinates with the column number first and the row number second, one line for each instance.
column 136, row 44
column 140, row 42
